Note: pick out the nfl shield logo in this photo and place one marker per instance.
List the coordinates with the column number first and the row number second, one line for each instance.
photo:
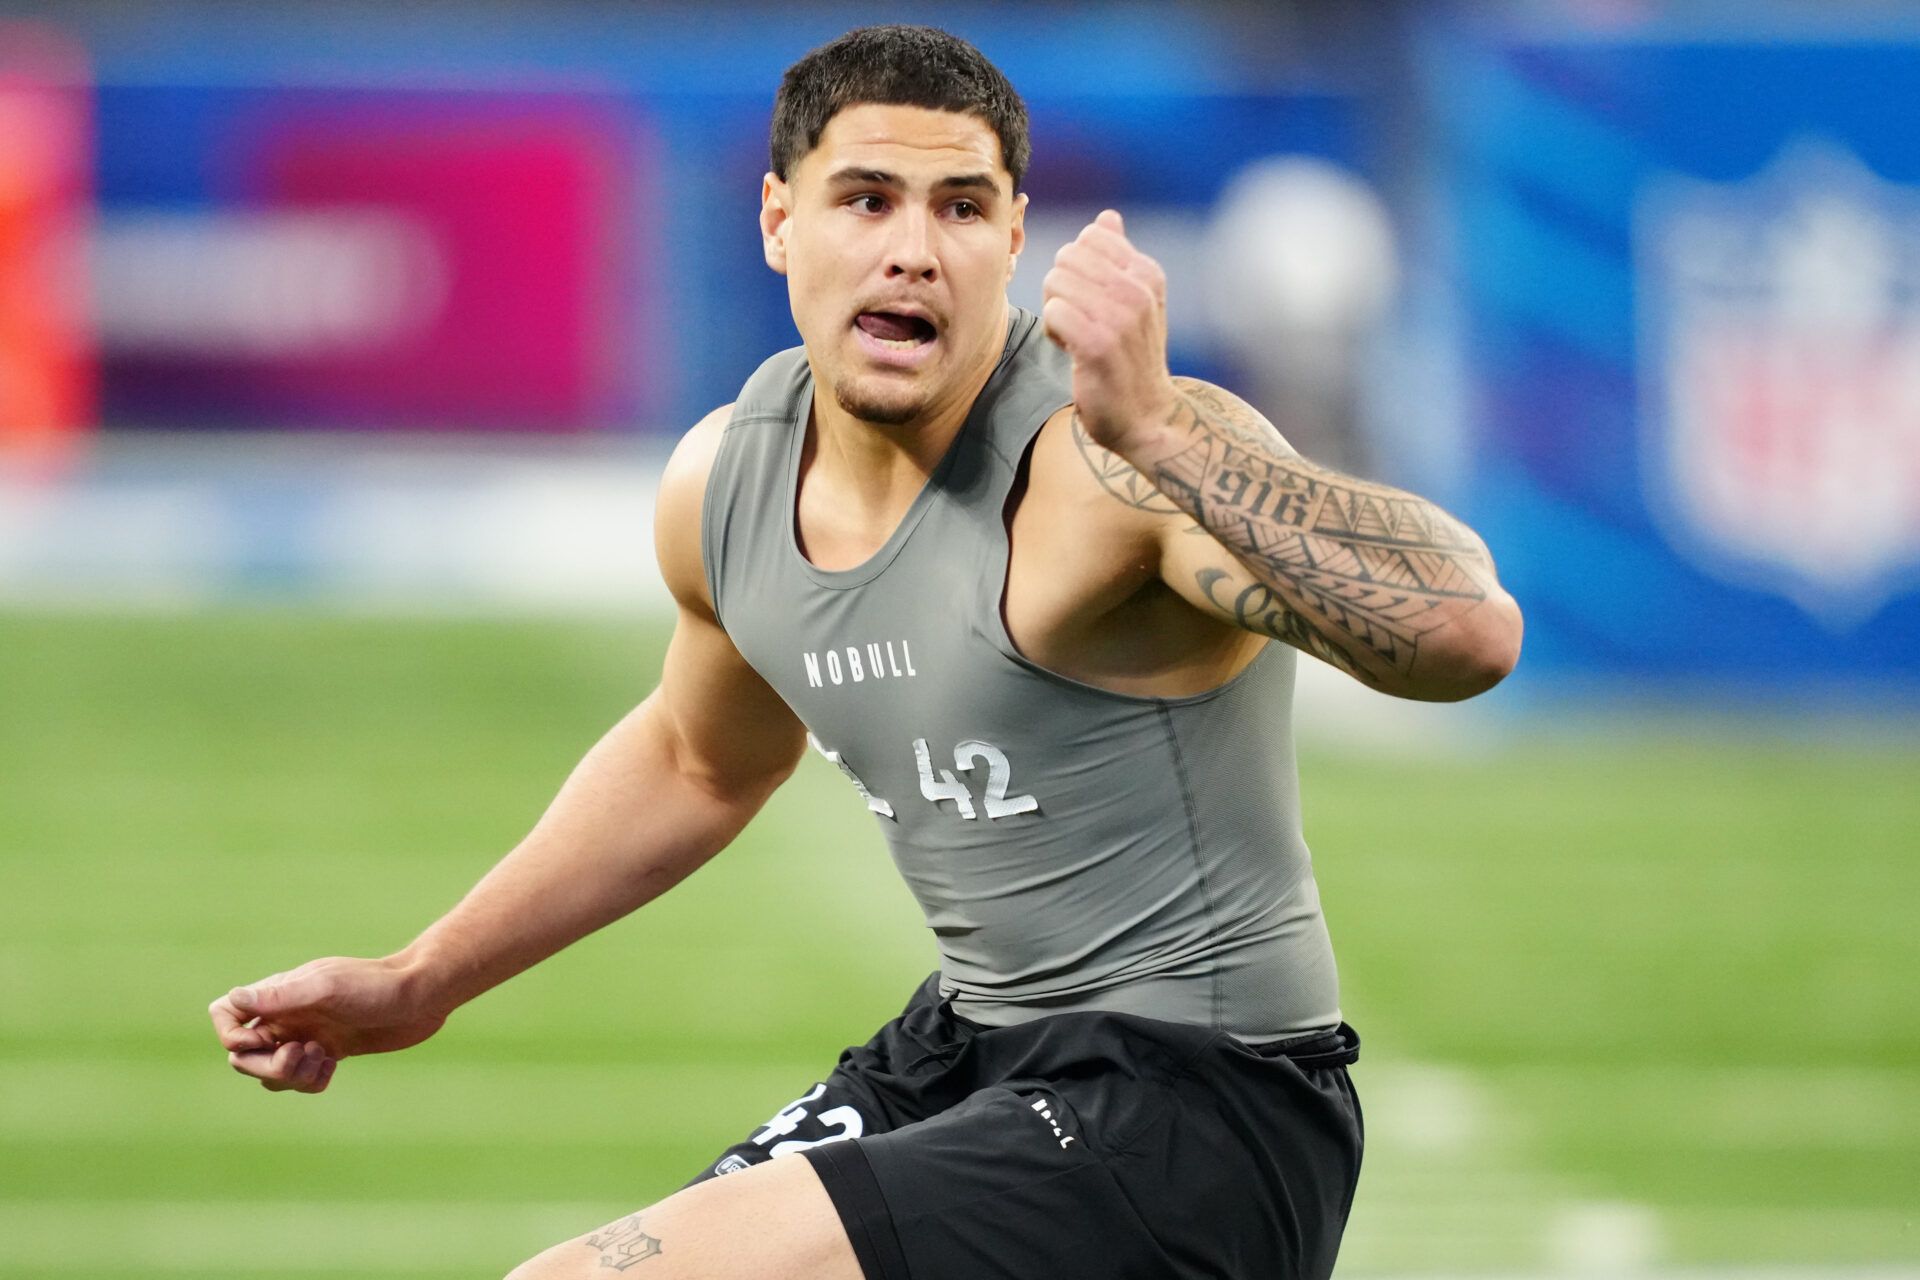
column 1780, row 374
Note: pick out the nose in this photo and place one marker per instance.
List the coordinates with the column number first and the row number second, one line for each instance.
column 911, row 252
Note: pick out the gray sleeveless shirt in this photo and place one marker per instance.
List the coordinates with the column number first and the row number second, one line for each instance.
column 1071, row 848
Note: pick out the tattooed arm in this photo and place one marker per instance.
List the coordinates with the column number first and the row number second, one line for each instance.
column 1376, row 581
column 1380, row 583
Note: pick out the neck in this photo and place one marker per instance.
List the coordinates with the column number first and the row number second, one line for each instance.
column 875, row 463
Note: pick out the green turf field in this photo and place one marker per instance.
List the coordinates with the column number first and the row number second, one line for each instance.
column 1630, row 1000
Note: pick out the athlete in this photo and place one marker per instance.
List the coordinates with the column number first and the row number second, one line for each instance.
column 1022, row 586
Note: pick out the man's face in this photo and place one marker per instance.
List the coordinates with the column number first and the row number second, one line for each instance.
column 897, row 235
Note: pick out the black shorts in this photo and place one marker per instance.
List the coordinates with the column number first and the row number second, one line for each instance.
column 1096, row 1145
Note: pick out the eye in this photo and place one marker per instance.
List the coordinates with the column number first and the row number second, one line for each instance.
column 867, row 204
column 966, row 210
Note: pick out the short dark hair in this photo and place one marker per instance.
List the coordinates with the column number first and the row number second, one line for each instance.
column 895, row 66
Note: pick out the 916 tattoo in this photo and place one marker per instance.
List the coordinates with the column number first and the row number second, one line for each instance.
column 1354, row 573
column 623, row 1244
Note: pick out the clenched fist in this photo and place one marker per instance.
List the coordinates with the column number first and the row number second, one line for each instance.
column 1105, row 303
column 290, row 1030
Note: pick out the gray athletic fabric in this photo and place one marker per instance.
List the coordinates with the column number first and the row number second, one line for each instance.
column 1071, row 848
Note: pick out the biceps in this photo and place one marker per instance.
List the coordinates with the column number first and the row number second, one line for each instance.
column 1211, row 579
column 1206, row 575
column 731, row 732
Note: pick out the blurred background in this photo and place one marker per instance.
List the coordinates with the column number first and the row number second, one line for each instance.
column 340, row 346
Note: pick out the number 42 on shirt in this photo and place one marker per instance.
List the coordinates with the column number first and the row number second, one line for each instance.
column 942, row 786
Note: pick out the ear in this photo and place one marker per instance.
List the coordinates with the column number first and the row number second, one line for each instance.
column 1019, row 233
column 776, row 220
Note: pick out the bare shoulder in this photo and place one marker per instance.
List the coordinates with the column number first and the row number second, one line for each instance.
column 1069, row 468
column 1086, row 521
column 1085, row 593
column 676, row 516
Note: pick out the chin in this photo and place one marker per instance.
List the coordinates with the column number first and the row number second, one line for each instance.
column 874, row 404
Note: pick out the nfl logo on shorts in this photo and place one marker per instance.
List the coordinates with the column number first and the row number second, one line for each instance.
column 1780, row 378
column 731, row 1164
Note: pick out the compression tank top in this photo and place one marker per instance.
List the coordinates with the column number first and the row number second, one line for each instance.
column 1071, row 848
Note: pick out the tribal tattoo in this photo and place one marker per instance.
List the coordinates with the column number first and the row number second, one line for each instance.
column 1352, row 572
column 1255, row 606
column 623, row 1244
column 1117, row 476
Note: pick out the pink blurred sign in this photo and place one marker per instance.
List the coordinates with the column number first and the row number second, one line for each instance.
column 433, row 260
column 46, row 152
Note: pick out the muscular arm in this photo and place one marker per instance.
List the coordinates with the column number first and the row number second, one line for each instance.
column 646, row 807
column 664, row 790
column 1381, row 583
column 1378, row 582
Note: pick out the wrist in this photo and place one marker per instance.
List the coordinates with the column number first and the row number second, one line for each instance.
column 1139, row 431
column 426, row 981
column 1149, row 442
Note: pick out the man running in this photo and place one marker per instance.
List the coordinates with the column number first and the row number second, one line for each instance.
column 1021, row 586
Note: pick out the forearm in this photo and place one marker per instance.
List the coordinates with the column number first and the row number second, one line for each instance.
column 1377, row 581
column 631, row 822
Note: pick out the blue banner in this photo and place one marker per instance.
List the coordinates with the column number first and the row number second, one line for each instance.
column 1690, row 273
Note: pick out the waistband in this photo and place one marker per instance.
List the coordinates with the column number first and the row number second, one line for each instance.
column 1335, row 1047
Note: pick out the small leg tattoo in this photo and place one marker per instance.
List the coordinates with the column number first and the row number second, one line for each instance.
column 623, row 1244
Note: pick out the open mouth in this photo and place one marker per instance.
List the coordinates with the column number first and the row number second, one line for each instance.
column 894, row 331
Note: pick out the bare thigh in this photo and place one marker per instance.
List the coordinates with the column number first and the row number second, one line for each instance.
column 771, row 1222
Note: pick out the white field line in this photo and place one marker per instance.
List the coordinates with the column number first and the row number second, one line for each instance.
column 1447, row 1187
column 1451, row 1184
column 213, row 1237
column 1896, row 1272
column 74, row 1100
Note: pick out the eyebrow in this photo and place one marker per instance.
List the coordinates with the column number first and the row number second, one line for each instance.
column 852, row 176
